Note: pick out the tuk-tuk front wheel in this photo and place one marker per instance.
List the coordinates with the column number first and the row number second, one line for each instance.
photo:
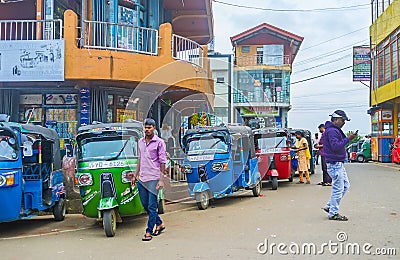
column 59, row 210
column 257, row 189
column 202, row 199
column 109, row 222
column 274, row 181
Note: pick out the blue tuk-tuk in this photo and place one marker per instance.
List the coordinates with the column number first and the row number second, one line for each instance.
column 31, row 178
column 220, row 161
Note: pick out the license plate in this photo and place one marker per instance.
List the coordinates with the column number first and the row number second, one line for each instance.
column 206, row 157
column 271, row 150
column 106, row 164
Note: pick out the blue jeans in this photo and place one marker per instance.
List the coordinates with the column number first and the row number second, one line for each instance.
column 149, row 198
column 340, row 184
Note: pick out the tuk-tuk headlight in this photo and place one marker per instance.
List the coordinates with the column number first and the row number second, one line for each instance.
column 85, row 179
column 127, row 176
column 285, row 157
column 216, row 167
column 7, row 179
column 2, row 180
column 186, row 169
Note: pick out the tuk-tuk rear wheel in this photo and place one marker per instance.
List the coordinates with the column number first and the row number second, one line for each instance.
column 203, row 200
column 291, row 176
column 360, row 159
column 274, row 181
column 59, row 210
column 257, row 189
column 109, row 222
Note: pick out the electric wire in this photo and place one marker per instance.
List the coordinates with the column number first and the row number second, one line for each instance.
column 350, row 8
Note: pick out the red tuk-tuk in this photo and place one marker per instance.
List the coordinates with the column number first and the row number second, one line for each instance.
column 273, row 155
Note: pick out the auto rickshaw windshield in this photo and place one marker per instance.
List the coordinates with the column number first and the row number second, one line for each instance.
column 206, row 144
column 8, row 146
column 107, row 146
column 270, row 141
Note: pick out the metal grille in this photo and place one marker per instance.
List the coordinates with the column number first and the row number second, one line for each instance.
column 11, row 30
column 187, row 50
column 113, row 36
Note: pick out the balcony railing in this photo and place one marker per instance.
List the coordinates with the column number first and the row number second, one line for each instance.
column 113, row 36
column 259, row 59
column 187, row 50
column 11, row 30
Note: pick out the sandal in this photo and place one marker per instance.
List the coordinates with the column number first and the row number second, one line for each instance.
column 321, row 183
column 325, row 209
column 300, row 182
column 158, row 231
column 338, row 217
column 328, row 184
column 147, row 237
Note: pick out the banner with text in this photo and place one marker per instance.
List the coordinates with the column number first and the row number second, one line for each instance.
column 39, row 60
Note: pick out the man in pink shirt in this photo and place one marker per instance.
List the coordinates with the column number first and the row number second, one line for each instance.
column 150, row 170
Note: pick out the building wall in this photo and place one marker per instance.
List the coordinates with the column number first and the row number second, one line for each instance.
column 222, row 68
column 386, row 23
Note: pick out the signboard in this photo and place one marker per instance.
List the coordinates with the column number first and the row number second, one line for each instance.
column 85, row 106
column 259, row 111
column 39, row 60
column 361, row 63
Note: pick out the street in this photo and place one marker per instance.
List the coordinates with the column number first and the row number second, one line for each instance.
column 233, row 227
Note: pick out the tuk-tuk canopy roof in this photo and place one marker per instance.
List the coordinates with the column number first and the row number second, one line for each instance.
column 270, row 132
column 232, row 129
column 47, row 133
column 110, row 126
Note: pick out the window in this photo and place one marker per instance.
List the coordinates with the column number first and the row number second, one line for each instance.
column 245, row 49
column 260, row 54
column 220, row 80
column 387, row 65
column 394, row 61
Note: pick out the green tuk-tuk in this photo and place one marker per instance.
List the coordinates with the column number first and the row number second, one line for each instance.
column 107, row 156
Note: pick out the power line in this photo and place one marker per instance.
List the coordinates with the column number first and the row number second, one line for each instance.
column 322, row 75
column 332, row 39
column 350, row 8
column 323, row 64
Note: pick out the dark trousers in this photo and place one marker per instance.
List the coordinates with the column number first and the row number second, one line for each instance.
column 149, row 198
column 325, row 176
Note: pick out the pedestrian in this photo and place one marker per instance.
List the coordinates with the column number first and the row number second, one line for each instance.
column 301, row 147
column 150, row 171
column 334, row 145
column 326, row 179
column 315, row 142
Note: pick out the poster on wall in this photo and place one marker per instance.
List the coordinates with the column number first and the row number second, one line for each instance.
column 361, row 63
column 387, row 115
column 61, row 99
column 41, row 60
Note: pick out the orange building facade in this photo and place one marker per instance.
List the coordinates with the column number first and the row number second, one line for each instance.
column 68, row 63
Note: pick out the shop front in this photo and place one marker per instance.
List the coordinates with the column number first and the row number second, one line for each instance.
column 382, row 122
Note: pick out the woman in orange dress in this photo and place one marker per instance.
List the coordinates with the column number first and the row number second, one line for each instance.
column 301, row 149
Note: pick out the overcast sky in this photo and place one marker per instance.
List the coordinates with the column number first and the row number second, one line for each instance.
column 325, row 41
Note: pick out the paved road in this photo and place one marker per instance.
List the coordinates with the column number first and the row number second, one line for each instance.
column 232, row 228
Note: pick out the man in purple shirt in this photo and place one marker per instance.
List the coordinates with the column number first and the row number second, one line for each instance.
column 150, row 169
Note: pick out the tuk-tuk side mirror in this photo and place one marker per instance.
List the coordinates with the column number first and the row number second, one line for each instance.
column 27, row 149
